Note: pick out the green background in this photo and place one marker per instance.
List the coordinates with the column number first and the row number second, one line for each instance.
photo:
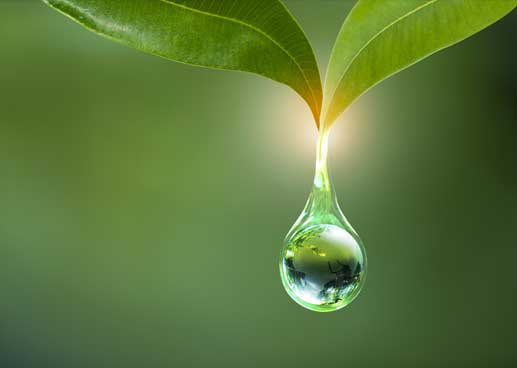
column 143, row 205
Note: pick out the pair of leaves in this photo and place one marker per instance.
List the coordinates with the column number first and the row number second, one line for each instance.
column 378, row 38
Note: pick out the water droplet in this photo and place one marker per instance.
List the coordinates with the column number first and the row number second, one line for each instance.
column 323, row 262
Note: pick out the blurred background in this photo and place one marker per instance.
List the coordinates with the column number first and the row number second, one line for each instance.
column 143, row 205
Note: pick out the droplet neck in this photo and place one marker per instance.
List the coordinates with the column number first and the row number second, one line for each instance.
column 323, row 201
column 321, row 177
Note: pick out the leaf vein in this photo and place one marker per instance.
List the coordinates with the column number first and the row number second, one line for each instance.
column 276, row 43
column 399, row 19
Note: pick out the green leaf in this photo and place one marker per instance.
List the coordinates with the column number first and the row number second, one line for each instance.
column 257, row 36
column 381, row 37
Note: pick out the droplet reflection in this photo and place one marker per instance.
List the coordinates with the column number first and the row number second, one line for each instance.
column 322, row 267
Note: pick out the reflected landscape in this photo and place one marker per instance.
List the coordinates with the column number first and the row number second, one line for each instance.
column 323, row 267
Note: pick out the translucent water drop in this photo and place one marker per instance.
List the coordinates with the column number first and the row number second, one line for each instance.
column 323, row 262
